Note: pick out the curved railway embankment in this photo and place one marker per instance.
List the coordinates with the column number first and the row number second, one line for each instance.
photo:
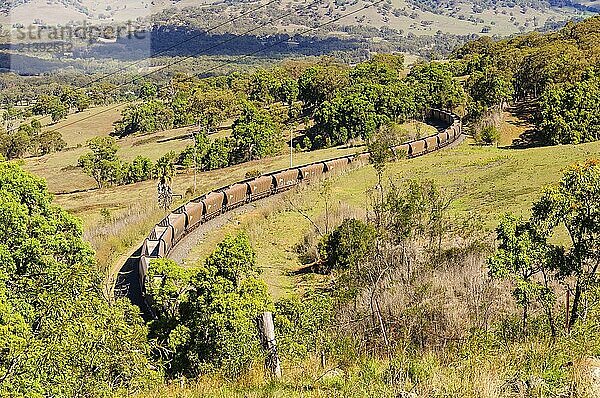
column 170, row 230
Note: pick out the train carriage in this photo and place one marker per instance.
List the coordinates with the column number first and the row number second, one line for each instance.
column 457, row 129
column 166, row 234
column 143, row 266
column 144, row 248
column 236, row 195
column 260, row 187
column 286, row 179
column 362, row 158
column 451, row 132
column 432, row 143
column 401, row 151
column 150, row 247
column 416, row 148
column 213, row 205
column 311, row 171
column 177, row 221
column 193, row 212
column 443, row 138
column 336, row 165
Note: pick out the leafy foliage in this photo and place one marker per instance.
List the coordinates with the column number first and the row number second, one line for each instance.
column 29, row 138
column 141, row 169
column 380, row 148
column 575, row 205
column 303, row 324
column 524, row 256
column 165, row 166
column 347, row 116
column 377, row 95
column 102, row 163
column 569, row 113
column 348, row 245
column 255, row 135
column 207, row 318
column 320, row 83
column 211, row 108
column 435, row 87
column 218, row 154
column 14, row 144
column 59, row 336
column 488, row 135
column 48, row 142
column 417, row 210
column 147, row 117
column 50, row 105
column 558, row 68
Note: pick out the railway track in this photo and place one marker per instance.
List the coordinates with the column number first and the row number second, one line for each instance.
column 179, row 223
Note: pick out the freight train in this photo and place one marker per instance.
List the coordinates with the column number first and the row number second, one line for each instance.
column 169, row 231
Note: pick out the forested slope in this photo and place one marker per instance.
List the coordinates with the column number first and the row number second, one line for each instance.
column 404, row 289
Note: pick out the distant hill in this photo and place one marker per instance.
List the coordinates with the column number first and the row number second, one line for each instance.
column 427, row 28
column 420, row 17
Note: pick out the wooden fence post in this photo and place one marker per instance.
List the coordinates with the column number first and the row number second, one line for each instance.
column 266, row 331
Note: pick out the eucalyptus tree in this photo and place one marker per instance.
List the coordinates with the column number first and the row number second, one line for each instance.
column 59, row 335
column 574, row 204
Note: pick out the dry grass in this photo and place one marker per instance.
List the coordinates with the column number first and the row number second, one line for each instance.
column 63, row 176
column 485, row 181
column 490, row 374
column 80, row 127
column 76, row 192
column 511, row 128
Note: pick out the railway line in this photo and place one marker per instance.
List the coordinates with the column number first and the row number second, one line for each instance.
column 186, row 218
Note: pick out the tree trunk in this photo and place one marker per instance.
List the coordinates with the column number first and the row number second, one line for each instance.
column 575, row 307
column 551, row 320
column 525, row 320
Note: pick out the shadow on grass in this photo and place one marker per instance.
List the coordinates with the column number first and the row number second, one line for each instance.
column 525, row 114
column 83, row 190
column 128, row 285
column 312, row 268
column 181, row 137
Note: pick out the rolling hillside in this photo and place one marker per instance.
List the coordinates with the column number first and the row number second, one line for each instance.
column 485, row 182
column 416, row 16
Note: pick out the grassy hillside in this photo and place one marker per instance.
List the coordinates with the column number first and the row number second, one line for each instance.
column 117, row 218
column 77, row 192
column 484, row 181
column 419, row 17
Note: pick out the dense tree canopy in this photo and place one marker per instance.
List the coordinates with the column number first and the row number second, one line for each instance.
column 348, row 244
column 59, row 335
column 29, row 138
column 320, row 83
column 147, row 117
column 51, row 105
column 345, row 117
column 211, row 108
column 102, row 163
column 255, row 135
column 557, row 69
column 207, row 317
column 570, row 113
column 435, row 87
